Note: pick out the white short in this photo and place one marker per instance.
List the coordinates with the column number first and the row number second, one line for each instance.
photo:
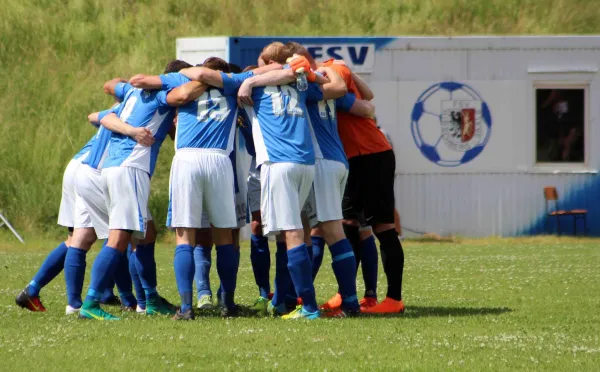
column 240, row 212
column 67, row 201
column 284, row 189
column 253, row 186
column 324, row 203
column 90, row 204
column 200, row 181
column 126, row 191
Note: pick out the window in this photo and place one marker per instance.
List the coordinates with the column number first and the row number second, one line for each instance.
column 560, row 124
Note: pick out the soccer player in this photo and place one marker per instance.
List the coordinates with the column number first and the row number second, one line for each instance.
column 126, row 181
column 286, row 157
column 396, row 214
column 202, row 178
column 91, row 216
column 370, row 192
column 29, row 298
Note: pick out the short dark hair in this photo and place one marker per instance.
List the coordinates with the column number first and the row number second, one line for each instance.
column 176, row 65
column 216, row 63
column 234, row 69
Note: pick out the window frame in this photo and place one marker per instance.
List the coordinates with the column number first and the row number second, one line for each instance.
column 563, row 166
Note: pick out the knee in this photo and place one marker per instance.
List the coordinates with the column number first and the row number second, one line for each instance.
column 256, row 227
column 150, row 236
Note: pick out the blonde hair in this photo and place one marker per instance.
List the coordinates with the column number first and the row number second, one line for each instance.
column 275, row 52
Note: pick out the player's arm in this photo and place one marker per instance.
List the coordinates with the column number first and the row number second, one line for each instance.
column 203, row 74
column 93, row 118
column 277, row 77
column 146, row 81
column 335, row 87
column 186, row 93
column 110, row 86
column 143, row 136
column 358, row 107
column 363, row 87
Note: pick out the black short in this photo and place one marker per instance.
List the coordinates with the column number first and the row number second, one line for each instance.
column 369, row 195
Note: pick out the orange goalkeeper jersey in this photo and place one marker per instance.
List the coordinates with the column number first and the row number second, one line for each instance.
column 360, row 136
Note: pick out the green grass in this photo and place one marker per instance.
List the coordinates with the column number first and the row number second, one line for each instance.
column 493, row 304
column 55, row 55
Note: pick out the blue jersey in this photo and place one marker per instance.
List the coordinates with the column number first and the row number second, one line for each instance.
column 245, row 131
column 140, row 108
column 279, row 122
column 207, row 122
column 99, row 148
column 323, row 119
column 83, row 153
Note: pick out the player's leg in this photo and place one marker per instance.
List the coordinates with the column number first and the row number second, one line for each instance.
column 294, row 192
column 54, row 262
column 380, row 210
column 219, row 199
column 326, row 200
column 370, row 267
column 91, row 222
column 126, row 191
column 203, row 262
column 318, row 247
column 140, row 295
column 186, row 191
column 260, row 255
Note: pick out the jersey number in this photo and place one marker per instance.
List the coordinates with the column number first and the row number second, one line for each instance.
column 277, row 100
column 327, row 109
column 218, row 110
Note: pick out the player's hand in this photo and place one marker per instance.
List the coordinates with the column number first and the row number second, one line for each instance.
column 135, row 80
column 143, row 136
column 298, row 62
column 245, row 94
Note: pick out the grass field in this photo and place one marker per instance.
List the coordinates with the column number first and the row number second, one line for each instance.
column 493, row 304
column 55, row 55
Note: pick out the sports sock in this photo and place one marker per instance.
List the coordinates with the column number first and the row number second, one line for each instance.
column 353, row 236
column 123, row 282
column 370, row 263
column 227, row 270
column 393, row 265
column 318, row 251
column 260, row 257
column 184, row 274
column 344, row 264
column 146, row 268
column 202, row 261
column 74, row 275
column 300, row 269
column 283, row 281
column 140, row 295
column 52, row 266
column 103, row 269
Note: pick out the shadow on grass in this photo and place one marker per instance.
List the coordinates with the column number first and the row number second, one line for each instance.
column 438, row 311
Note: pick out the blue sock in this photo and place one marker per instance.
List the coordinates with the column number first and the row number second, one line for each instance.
column 103, row 269
column 317, row 257
column 344, row 268
column 260, row 257
column 140, row 296
column 123, row 282
column 146, row 268
column 370, row 263
column 300, row 269
column 184, row 274
column 282, row 275
column 202, row 261
column 227, row 270
column 52, row 266
column 74, row 275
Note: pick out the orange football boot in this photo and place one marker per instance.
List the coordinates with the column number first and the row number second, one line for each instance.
column 367, row 303
column 387, row 306
column 333, row 303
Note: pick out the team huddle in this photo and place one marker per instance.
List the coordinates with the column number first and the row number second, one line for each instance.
column 321, row 174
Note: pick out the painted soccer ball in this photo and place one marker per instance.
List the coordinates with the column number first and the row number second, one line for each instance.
column 451, row 124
